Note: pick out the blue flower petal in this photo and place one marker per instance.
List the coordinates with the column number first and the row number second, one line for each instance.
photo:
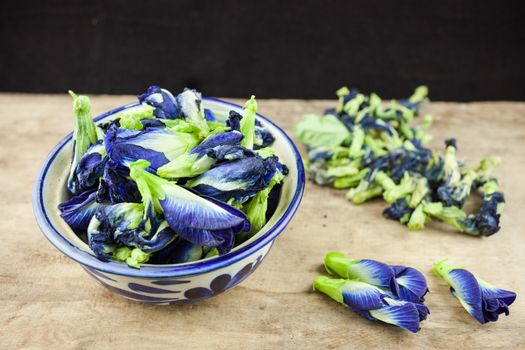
column 239, row 179
column 157, row 146
column 495, row 300
column 209, row 115
column 153, row 123
column 109, row 223
column 163, row 236
column 465, row 288
column 423, row 311
column 263, row 137
column 190, row 105
column 163, row 101
column 232, row 138
column 398, row 313
column 89, row 169
column 177, row 252
column 234, row 121
column 361, row 296
column 116, row 186
column 374, row 273
column 202, row 221
column 79, row 210
column 398, row 210
column 412, row 283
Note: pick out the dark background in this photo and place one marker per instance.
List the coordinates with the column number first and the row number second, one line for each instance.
column 463, row 50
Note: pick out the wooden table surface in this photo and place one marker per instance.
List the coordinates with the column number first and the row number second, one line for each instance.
column 48, row 301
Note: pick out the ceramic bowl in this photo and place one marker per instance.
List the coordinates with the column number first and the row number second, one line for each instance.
column 162, row 284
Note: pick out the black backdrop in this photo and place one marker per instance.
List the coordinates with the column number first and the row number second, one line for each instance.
column 463, row 50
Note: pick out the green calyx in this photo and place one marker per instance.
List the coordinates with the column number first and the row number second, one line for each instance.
column 130, row 119
column 420, row 191
column 350, row 181
column 406, row 186
column 248, row 123
column 420, row 93
column 358, row 139
column 442, row 268
column 149, row 185
column 330, row 287
column 185, row 165
column 85, row 130
column 336, row 263
column 417, row 219
column 451, row 215
column 257, row 206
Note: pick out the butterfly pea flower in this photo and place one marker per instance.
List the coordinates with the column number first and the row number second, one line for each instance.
column 89, row 168
column 434, row 171
column 412, row 284
column 344, row 94
column 451, row 171
column 256, row 208
column 393, row 192
column 399, row 210
column 363, row 192
column 179, row 251
column 148, row 243
column 239, row 179
column 79, row 210
column 110, row 222
column 486, row 221
column 448, row 214
column 483, row 301
column 376, row 146
column 369, row 271
column 263, row 137
column 84, row 135
column 418, row 96
column 199, row 220
column 411, row 157
column 163, row 101
column 190, row 105
column 484, row 170
column 370, row 302
column 369, row 123
column 224, row 146
column 353, row 104
column 420, row 192
column 418, row 218
column 458, row 193
column 158, row 146
column 116, row 186
column 398, row 282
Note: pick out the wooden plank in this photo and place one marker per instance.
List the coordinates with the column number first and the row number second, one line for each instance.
column 48, row 301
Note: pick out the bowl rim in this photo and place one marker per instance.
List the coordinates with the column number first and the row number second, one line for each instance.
column 160, row 271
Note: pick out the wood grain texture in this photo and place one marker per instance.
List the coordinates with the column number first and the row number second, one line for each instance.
column 48, row 301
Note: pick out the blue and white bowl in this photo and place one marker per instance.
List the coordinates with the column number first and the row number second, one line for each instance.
column 164, row 284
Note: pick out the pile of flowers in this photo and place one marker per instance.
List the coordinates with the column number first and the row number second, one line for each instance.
column 372, row 149
column 166, row 182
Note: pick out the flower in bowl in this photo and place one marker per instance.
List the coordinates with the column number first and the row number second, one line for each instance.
column 167, row 200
